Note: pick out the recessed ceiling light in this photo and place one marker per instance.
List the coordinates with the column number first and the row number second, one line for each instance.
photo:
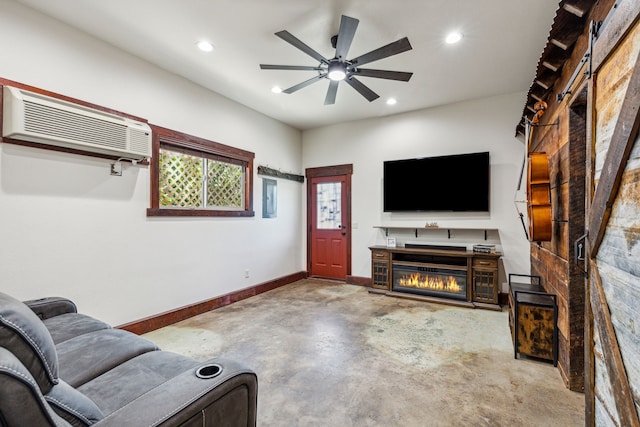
column 391, row 101
column 276, row 89
column 453, row 37
column 204, row 46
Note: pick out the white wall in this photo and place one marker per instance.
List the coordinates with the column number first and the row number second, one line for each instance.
column 481, row 125
column 69, row 228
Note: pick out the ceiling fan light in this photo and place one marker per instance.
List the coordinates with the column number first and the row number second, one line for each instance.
column 337, row 71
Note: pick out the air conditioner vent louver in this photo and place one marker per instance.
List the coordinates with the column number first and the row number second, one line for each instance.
column 38, row 118
column 139, row 139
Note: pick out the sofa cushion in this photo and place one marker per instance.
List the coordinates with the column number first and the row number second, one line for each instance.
column 70, row 325
column 51, row 306
column 87, row 356
column 24, row 334
column 128, row 381
column 73, row 406
column 21, row 402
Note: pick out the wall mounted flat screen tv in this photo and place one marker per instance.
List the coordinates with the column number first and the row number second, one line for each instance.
column 454, row 183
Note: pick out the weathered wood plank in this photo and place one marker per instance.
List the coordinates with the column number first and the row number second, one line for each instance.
column 561, row 244
column 613, row 360
column 589, row 360
column 623, row 293
column 623, row 19
column 624, row 136
column 603, row 393
column 576, row 206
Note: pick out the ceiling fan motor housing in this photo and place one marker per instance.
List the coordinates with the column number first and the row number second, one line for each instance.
column 339, row 68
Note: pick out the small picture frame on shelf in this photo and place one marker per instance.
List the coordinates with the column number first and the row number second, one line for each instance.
column 391, row 242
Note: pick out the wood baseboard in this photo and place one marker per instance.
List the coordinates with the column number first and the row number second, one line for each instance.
column 357, row 280
column 503, row 298
column 158, row 321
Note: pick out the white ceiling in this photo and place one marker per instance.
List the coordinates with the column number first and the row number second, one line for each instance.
column 503, row 40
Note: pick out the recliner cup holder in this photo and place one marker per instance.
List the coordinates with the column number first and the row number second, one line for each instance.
column 209, row 371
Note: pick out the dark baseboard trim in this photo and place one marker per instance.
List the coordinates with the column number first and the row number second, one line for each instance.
column 158, row 321
column 357, row 280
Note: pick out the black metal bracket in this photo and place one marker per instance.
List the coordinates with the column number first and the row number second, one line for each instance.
column 594, row 27
column 594, row 32
column 579, row 248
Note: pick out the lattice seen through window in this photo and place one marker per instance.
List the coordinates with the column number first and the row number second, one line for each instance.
column 182, row 183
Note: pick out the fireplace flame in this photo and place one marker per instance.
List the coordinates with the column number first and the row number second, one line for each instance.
column 436, row 283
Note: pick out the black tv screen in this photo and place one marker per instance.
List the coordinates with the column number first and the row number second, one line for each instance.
column 455, row 183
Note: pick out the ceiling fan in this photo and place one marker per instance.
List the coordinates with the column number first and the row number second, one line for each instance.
column 339, row 68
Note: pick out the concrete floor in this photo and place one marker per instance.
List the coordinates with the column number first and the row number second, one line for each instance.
column 331, row 354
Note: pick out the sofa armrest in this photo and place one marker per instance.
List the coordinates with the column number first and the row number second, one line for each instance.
column 229, row 399
column 49, row 307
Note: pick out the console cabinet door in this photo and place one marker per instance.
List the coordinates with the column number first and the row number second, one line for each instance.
column 485, row 280
column 380, row 269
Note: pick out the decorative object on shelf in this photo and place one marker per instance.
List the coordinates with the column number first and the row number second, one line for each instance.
column 263, row 170
column 391, row 242
column 487, row 249
column 339, row 68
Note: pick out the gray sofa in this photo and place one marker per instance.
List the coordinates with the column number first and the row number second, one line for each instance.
column 62, row 368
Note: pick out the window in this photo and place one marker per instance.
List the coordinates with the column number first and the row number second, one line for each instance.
column 192, row 176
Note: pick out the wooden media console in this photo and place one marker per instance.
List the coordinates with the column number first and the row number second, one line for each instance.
column 437, row 274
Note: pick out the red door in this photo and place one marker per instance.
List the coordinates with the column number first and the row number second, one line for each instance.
column 329, row 236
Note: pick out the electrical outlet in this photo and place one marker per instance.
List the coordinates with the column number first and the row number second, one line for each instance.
column 246, row 273
column 116, row 169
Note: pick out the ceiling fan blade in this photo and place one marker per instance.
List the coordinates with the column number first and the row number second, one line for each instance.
column 289, row 67
column 391, row 49
column 362, row 89
column 383, row 74
column 345, row 36
column 304, row 83
column 331, row 93
column 293, row 40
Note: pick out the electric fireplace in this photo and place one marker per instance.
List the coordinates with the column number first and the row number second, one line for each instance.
column 448, row 281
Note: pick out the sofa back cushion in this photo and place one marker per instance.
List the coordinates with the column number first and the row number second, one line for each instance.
column 24, row 335
column 21, row 402
column 73, row 406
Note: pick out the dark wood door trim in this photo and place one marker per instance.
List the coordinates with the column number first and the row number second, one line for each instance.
column 329, row 171
column 335, row 170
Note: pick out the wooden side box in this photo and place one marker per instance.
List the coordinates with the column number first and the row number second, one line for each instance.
column 533, row 315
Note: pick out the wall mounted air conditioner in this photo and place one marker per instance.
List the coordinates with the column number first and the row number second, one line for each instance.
column 32, row 117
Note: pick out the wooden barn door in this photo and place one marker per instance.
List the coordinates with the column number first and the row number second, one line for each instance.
column 613, row 220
